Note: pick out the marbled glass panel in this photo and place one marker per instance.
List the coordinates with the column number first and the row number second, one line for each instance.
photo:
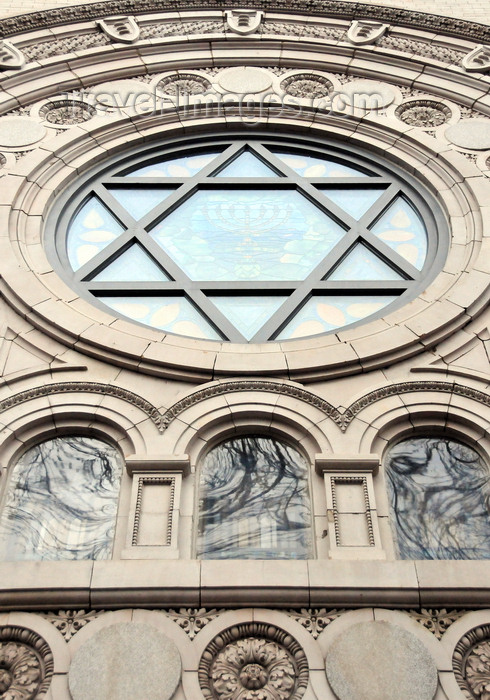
column 176, row 167
column 440, row 495
column 402, row 229
column 308, row 166
column 134, row 265
column 90, row 231
column 139, row 201
column 173, row 313
column 248, row 313
column 254, row 502
column 232, row 235
column 247, row 165
column 62, row 501
column 325, row 313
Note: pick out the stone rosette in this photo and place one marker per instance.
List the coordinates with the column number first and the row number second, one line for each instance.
column 471, row 663
column 425, row 114
column 26, row 664
column 253, row 661
column 64, row 113
column 307, row 86
column 184, row 84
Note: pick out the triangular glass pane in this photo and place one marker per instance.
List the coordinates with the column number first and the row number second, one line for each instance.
column 318, row 167
column 353, row 200
column 134, row 265
column 247, row 165
column 402, row 229
column 362, row 264
column 321, row 314
column 187, row 166
column 247, row 235
column 91, row 230
column 138, row 201
column 172, row 313
column 248, row 314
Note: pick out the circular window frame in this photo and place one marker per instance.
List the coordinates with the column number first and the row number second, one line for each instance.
column 430, row 212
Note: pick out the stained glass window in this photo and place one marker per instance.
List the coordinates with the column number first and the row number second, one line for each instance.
column 440, row 498
column 254, row 501
column 247, row 241
column 62, row 501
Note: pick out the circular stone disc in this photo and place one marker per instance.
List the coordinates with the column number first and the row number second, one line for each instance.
column 244, row 80
column 470, row 133
column 380, row 661
column 367, row 94
column 126, row 661
column 17, row 132
column 121, row 94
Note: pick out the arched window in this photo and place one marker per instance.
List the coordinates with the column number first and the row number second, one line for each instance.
column 440, row 498
column 62, row 501
column 254, row 501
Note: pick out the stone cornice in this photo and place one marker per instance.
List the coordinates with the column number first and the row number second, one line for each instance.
column 32, row 21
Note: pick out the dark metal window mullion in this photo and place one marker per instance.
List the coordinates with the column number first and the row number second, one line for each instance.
column 214, row 316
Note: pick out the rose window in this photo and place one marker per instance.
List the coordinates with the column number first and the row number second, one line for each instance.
column 247, row 241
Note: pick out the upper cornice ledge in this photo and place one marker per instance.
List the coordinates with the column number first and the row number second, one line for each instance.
column 9, row 26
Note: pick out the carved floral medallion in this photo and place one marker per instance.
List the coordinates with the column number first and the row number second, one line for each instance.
column 471, row 663
column 425, row 114
column 184, row 84
column 253, row 661
column 307, row 86
column 26, row 664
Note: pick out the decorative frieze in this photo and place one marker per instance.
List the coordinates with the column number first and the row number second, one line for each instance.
column 69, row 44
column 193, row 620
column 26, row 664
column 436, row 621
column 69, row 622
column 425, row 114
column 471, row 663
column 253, row 660
column 315, row 620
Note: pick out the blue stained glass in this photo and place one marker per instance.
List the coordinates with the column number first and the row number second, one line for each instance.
column 402, row 229
column 318, row 167
column 354, row 201
column 326, row 313
column 174, row 314
column 247, row 165
column 177, row 167
column 227, row 235
column 362, row 264
column 248, row 314
column 91, row 230
column 134, row 265
column 138, row 201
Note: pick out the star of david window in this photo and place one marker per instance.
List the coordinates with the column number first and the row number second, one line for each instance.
column 247, row 241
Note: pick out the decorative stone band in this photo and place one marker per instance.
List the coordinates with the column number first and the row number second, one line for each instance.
column 163, row 420
column 253, row 657
column 471, row 663
column 26, row 664
column 347, row 10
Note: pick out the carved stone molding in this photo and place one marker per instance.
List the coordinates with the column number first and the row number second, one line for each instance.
column 26, row 664
column 122, row 29
column 342, row 419
column 193, row 620
column 253, row 661
column 184, row 84
column 69, row 622
column 315, row 620
column 477, row 60
column 66, row 112
column 10, row 57
column 426, row 114
column 436, row 621
column 334, row 8
column 84, row 387
column 243, row 21
column 307, row 85
column 471, row 663
column 362, row 32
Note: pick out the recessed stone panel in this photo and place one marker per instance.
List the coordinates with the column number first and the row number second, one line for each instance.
column 19, row 132
column 245, row 80
column 470, row 133
column 126, row 661
column 380, row 661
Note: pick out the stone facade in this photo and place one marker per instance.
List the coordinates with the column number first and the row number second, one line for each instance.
column 244, row 629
